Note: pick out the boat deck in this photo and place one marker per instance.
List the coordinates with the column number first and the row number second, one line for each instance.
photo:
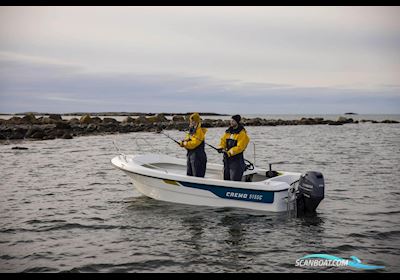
column 211, row 172
column 181, row 170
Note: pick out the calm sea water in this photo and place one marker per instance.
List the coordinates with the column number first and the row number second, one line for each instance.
column 65, row 208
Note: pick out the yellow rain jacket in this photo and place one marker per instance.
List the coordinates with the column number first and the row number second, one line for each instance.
column 237, row 139
column 191, row 142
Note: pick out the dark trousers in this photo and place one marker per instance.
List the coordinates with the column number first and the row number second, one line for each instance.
column 233, row 169
column 196, row 164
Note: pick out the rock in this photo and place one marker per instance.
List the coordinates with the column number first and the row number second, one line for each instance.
column 157, row 118
column 49, row 137
column 29, row 119
column 128, row 120
column 63, row 125
column 31, row 131
column 252, row 122
column 344, row 120
column 110, row 120
column 14, row 120
column 67, row 135
column 55, row 133
column 177, row 118
column 389, row 121
column 74, row 121
column 19, row 148
column 334, row 123
column 18, row 133
column 96, row 120
column 207, row 123
column 38, row 135
column 306, row 121
column 47, row 121
column 107, row 127
column 55, row 117
column 86, row 119
column 91, row 127
column 141, row 119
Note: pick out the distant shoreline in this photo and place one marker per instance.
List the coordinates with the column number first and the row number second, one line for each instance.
column 121, row 114
column 53, row 126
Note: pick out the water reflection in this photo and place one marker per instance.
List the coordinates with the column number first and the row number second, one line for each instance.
column 195, row 227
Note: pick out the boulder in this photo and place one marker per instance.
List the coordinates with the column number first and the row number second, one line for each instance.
column 47, row 121
column 55, row 133
column 91, row 127
column 67, row 135
column 344, row 120
column 110, row 120
column 29, row 119
column 96, row 120
column 38, row 134
column 55, row 117
column 141, row 119
column 74, row 121
column 86, row 119
column 14, row 120
column 49, row 137
column 157, row 118
column 389, row 121
column 63, row 125
column 18, row 133
column 177, row 118
column 19, row 148
column 32, row 130
column 306, row 121
column 128, row 120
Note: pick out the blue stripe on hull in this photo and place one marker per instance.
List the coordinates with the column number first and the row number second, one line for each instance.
column 234, row 193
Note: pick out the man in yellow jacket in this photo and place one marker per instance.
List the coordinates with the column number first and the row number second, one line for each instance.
column 233, row 143
column 194, row 144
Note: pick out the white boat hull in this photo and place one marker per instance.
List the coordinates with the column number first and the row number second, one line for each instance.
column 178, row 193
column 152, row 178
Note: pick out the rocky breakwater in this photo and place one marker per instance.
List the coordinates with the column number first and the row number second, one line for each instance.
column 53, row 126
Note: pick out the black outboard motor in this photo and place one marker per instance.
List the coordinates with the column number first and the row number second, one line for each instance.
column 310, row 192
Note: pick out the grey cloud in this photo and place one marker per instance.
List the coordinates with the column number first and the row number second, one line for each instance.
column 34, row 86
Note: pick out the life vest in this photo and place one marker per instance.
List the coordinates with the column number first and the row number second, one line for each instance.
column 235, row 142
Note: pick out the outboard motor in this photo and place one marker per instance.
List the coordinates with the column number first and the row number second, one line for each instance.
column 311, row 190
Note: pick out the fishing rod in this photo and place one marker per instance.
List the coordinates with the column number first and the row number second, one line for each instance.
column 177, row 142
column 205, row 142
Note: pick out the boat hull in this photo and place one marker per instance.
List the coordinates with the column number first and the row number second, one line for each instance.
column 186, row 192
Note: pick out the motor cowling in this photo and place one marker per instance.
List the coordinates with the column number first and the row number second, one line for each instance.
column 311, row 190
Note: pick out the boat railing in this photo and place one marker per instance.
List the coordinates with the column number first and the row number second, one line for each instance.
column 121, row 154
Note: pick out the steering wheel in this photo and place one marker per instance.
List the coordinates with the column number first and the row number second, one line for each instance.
column 249, row 165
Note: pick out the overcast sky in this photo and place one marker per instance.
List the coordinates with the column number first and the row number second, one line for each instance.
column 245, row 60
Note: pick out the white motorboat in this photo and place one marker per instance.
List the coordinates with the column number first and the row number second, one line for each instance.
column 163, row 177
